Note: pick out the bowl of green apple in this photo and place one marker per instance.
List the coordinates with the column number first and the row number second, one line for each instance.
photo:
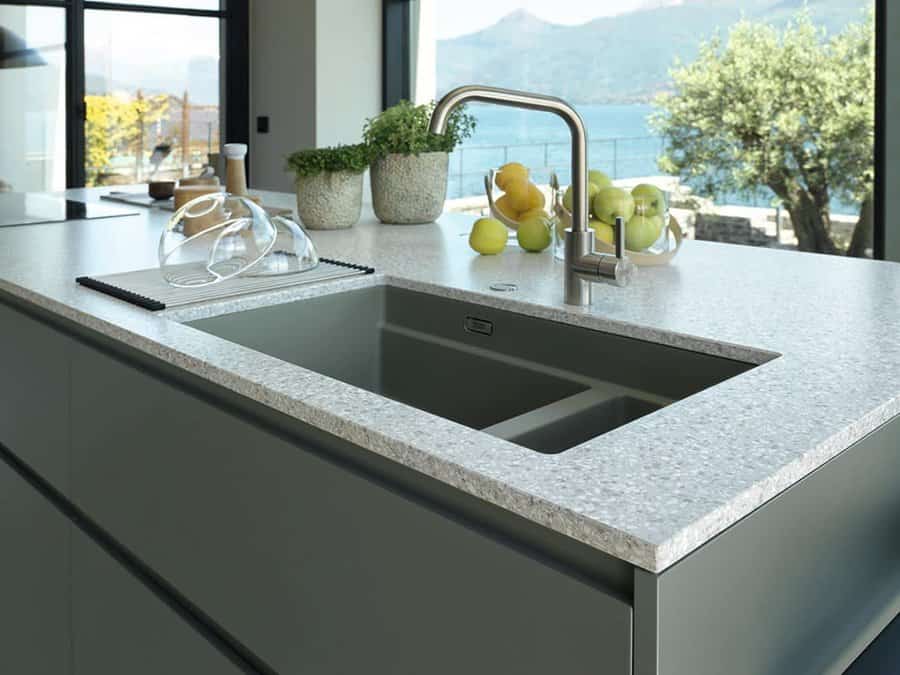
column 652, row 235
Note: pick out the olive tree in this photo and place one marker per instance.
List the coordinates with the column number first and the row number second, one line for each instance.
column 790, row 109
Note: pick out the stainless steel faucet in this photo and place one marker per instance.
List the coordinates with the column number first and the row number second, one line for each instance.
column 583, row 265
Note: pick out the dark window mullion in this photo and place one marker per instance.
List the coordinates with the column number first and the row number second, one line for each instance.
column 878, row 195
column 75, row 116
column 396, row 46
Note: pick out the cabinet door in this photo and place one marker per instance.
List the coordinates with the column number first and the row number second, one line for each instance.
column 34, row 581
column 119, row 626
column 34, row 372
column 316, row 568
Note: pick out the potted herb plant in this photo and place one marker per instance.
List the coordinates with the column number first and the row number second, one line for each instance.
column 409, row 163
column 329, row 185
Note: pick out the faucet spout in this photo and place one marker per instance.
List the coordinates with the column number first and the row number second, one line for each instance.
column 528, row 101
column 583, row 265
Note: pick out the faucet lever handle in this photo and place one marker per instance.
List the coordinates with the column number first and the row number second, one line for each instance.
column 619, row 237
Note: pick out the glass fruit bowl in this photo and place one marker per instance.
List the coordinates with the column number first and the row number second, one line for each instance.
column 647, row 231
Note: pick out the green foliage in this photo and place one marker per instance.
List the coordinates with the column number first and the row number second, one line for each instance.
column 790, row 109
column 116, row 126
column 306, row 163
column 403, row 129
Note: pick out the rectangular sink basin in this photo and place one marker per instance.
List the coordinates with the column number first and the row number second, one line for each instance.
column 547, row 386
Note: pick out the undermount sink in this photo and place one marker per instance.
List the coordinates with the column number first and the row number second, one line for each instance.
column 547, row 386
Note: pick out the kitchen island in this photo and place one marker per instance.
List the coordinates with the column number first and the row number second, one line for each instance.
column 749, row 527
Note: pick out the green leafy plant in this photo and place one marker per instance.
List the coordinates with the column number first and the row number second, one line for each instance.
column 403, row 129
column 307, row 163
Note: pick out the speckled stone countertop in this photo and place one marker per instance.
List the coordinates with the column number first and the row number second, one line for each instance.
column 649, row 492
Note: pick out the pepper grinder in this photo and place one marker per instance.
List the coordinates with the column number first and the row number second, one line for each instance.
column 235, row 173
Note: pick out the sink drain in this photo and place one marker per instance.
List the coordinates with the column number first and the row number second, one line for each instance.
column 504, row 287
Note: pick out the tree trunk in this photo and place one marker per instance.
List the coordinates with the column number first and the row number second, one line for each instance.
column 810, row 224
column 863, row 233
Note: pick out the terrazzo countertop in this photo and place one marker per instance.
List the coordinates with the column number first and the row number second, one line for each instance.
column 824, row 329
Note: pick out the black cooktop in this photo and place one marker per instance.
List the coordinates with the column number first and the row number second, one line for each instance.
column 31, row 208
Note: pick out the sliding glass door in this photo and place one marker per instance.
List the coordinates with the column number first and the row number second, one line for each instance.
column 32, row 98
column 111, row 93
column 151, row 95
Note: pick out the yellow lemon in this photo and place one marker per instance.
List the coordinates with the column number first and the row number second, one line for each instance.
column 536, row 199
column 518, row 192
column 488, row 236
column 508, row 172
column 504, row 207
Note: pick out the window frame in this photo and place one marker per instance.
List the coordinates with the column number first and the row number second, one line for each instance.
column 234, row 60
column 396, row 79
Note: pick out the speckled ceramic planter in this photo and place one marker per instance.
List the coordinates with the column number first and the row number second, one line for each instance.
column 331, row 200
column 410, row 189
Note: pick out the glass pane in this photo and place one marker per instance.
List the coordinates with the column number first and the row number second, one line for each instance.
column 32, row 99
column 179, row 4
column 152, row 102
column 764, row 138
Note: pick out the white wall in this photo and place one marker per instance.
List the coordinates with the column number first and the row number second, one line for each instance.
column 348, row 68
column 282, row 86
column 315, row 70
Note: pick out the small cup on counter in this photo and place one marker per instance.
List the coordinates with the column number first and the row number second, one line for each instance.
column 161, row 189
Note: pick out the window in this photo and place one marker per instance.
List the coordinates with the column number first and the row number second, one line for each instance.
column 151, row 95
column 765, row 137
column 119, row 94
column 32, row 98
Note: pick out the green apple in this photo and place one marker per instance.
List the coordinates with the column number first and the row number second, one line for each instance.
column 642, row 231
column 568, row 198
column 611, row 203
column 598, row 178
column 534, row 233
column 603, row 232
column 488, row 236
column 649, row 200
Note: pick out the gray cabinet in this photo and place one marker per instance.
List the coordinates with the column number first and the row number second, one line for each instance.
column 34, row 581
column 119, row 626
column 314, row 566
column 68, row 608
column 34, row 377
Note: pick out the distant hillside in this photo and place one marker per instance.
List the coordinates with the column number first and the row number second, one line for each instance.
column 200, row 76
column 625, row 58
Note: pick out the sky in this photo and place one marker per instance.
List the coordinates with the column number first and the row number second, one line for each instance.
column 458, row 17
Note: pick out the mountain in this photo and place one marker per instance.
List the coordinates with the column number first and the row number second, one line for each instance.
column 199, row 75
column 619, row 59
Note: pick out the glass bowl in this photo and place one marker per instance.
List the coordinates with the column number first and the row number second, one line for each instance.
column 655, row 222
column 212, row 238
column 220, row 236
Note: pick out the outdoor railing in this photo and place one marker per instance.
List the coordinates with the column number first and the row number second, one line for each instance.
column 619, row 157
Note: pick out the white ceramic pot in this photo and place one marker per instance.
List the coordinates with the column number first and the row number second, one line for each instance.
column 330, row 200
column 410, row 189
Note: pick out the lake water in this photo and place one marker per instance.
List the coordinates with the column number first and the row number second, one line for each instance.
column 620, row 142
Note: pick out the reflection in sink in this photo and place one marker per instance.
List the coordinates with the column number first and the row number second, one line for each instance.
column 547, row 386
